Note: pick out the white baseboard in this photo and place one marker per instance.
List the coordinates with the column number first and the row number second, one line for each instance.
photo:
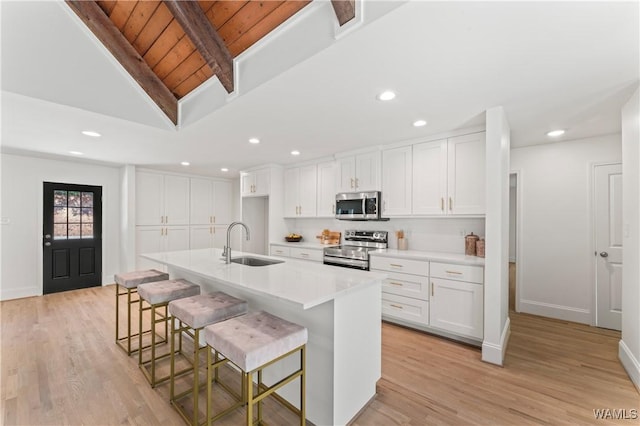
column 19, row 293
column 494, row 353
column 630, row 363
column 566, row 313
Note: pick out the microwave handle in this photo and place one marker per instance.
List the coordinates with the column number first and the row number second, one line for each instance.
column 364, row 206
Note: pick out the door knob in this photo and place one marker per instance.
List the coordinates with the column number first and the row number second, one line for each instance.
column 47, row 244
column 604, row 254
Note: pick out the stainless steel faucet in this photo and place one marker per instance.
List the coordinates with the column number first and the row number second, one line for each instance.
column 227, row 249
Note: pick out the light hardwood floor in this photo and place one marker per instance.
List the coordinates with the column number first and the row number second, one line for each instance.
column 60, row 366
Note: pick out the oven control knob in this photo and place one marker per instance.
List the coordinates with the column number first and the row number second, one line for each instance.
column 376, row 235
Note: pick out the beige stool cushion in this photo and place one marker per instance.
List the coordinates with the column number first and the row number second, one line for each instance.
column 166, row 291
column 204, row 309
column 135, row 278
column 254, row 339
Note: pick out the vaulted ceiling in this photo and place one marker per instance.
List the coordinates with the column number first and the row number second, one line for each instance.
column 171, row 47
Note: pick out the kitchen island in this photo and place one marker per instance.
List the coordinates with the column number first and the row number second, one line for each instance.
column 340, row 307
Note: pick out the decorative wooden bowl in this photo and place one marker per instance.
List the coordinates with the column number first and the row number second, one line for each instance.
column 293, row 239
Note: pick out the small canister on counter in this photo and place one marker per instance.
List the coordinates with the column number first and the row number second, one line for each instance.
column 470, row 244
column 480, row 247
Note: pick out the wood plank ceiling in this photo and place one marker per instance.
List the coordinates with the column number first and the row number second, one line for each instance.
column 171, row 47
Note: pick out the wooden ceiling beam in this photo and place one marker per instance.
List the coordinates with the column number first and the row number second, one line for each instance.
column 345, row 10
column 205, row 38
column 103, row 28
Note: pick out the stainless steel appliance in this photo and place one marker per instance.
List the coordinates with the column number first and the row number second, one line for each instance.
column 358, row 205
column 354, row 252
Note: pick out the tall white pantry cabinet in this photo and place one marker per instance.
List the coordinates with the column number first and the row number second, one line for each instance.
column 176, row 212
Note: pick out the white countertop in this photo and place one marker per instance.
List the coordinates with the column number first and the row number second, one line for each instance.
column 306, row 284
column 434, row 256
column 304, row 244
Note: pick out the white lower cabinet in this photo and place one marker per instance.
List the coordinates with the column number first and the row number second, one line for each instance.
column 433, row 296
column 155, row 239
column 304, row 253
column 201, row 237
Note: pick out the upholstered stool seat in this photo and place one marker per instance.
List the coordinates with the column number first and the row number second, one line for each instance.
column 158, row 295
column 194, row 313
column 252, row 342
column 129, row 281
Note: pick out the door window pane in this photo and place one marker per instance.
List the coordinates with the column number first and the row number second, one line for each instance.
column 74, row 199
column 74, row 231
column 87, row 215
column 87, row 199
column 60, row 231
column 87, row 230
column 74, row 215
column 60, row 215
column 60, row 198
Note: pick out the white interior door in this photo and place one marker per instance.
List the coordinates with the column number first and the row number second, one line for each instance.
column 608, row 232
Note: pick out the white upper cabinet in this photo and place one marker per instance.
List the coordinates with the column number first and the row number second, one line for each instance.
column 211, row 202
column 396, row 181
column 449, row 176
column 300, row 191
column 466, row 174
column 255, row 183
column 430, row 177
column 162, row 199
column 326, row 196
column 359, row 172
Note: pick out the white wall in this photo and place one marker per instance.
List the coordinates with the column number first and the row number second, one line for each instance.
column 629, row 348
column 22, row 179
column 557, row 265
column 496, row 267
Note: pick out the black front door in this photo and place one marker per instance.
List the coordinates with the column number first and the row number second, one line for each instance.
column 72, row 237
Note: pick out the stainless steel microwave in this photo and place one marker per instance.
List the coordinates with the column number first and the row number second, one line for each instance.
column 358, row 205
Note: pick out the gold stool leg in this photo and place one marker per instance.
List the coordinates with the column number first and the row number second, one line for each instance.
column 209, row 378
column 173, row 361
column 196, row 375
column 249, row 387
column 260, row 401
column 117, row 312
column 303, row 367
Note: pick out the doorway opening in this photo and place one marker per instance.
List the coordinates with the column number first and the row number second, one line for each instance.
column 72, row 237
column 513, row 241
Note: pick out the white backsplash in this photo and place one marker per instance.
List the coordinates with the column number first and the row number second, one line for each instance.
column 429, row 234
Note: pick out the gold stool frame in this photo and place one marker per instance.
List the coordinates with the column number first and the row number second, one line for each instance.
column 125, row 341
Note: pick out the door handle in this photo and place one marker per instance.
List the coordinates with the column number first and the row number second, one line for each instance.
column 48, row 236
column 47, row 244
column 604, row 254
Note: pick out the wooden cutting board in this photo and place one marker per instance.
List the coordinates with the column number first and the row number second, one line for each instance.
column 331, row 237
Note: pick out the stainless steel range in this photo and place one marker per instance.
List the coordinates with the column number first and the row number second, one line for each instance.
column 354, row 252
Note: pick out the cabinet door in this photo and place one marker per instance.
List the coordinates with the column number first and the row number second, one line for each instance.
column 457, row 307
column 149, row 239
column 307, row 191
column 396, row 181
column 368, row 172
column 200, row 237
column 149, row 199
column 222, row 202
column 261, row 182
column 347, row 174
column 246, row 184
column 326, row 199
column 291, row 191
column 220, row 237
column 466, row 176
column 201, row 202
column 429, row 178
column 176, row 238
column 176, row 200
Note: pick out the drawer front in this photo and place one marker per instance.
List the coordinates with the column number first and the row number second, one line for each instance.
column 306, row 254
column 415, row 286
column 280, row 251
column 405, row 308
column 406, row 266
column 472, row 274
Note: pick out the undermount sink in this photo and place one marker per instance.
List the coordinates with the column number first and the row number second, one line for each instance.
column 255, row 261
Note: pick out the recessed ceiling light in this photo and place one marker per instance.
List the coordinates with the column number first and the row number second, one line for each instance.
column 75, row 153
column 420, row 123
column 254, row 140
column 91, row 133
column 555, row 133
column 224, row 169
column 387, row 95
column 185, row 163
column 295, row 152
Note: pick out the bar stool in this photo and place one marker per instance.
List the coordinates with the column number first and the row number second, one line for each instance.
column 194, row 313
column 129, row 281
column 253, row 342
column 158, row 295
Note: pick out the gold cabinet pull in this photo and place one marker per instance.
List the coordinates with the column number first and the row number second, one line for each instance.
column 450, row 204
column 396, row 306
column 395, row 283
column 351, row 183
column 304, row 254
column 395, row 265
column 453, row 272
column 442, row 203
column 432, row 291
